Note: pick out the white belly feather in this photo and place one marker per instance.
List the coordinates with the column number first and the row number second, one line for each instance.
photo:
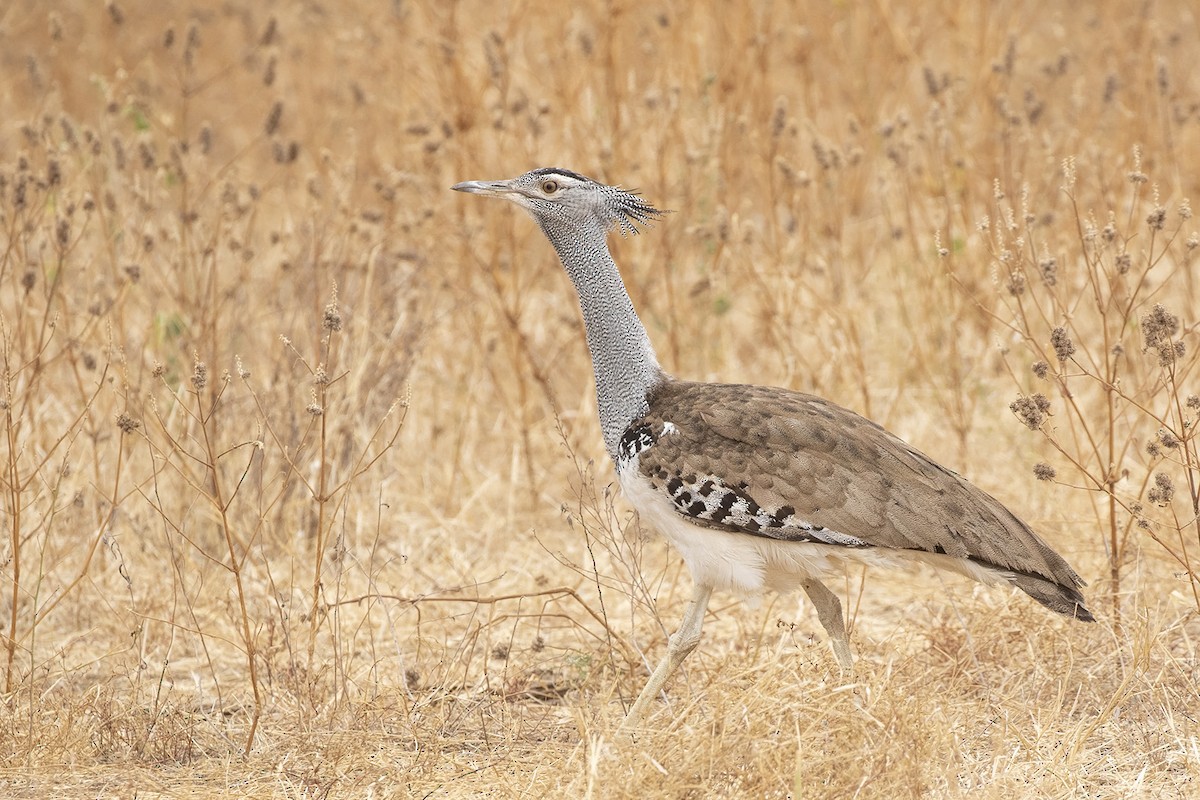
column 746, row 565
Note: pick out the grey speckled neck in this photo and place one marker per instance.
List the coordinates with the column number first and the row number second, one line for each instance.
column 623, row 359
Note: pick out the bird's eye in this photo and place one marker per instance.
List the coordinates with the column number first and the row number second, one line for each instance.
column 549, row 187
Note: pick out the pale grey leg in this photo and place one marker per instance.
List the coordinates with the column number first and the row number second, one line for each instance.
column 678, row 647
column 829, row 611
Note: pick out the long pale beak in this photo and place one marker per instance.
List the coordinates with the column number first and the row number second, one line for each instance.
column 494, row 188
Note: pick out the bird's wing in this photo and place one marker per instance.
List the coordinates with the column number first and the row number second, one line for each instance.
column 790, row 466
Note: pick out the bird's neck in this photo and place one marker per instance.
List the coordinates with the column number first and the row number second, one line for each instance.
column 623, row 359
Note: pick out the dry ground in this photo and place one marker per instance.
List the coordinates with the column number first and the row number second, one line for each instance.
column 303, row 493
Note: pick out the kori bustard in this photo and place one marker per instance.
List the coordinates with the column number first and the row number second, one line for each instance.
column 761, row 488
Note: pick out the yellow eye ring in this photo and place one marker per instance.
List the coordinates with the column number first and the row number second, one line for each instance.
column 549, row 187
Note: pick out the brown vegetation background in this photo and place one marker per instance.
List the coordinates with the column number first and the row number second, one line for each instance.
column 302, row 489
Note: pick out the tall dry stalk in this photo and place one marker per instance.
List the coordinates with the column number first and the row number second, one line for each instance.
column 1085, row 300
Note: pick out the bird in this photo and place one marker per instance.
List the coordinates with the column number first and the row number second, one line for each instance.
column 762, row 488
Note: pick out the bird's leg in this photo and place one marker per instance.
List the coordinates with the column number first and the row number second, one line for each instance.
column 682, row 643
column 829, row 611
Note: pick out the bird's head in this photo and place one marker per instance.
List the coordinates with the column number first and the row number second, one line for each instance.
column 556, row 197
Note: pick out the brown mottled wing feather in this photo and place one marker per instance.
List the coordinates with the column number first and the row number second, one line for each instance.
column 794, row 466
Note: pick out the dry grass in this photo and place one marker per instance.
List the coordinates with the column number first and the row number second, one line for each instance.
column 303, row 494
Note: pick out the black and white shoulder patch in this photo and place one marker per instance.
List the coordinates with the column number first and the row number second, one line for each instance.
column 639, row 438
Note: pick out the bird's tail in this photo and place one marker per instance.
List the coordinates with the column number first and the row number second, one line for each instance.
column 1065, row 600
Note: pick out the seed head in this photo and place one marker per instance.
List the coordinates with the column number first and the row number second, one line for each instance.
column 68, row 130
column 147, row 154
column 200, row 375
column 193, row 35
column 779, row 118
column 1193, row 402
column 1159, row 325
column 314, row 408
column 127, row 424
column 1157, row 218
column 1110, row 87
column 1031, row 410
column 1168, row 439
column 1158, row 329
column 1015, row 285
column 1064, row 348
column 828, row 157
column 332, row 320
column 1044, row 472
column 273, row 118
column 1163, row 490
column 1049, row 269
column 268, row 35
column 1041, row 369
